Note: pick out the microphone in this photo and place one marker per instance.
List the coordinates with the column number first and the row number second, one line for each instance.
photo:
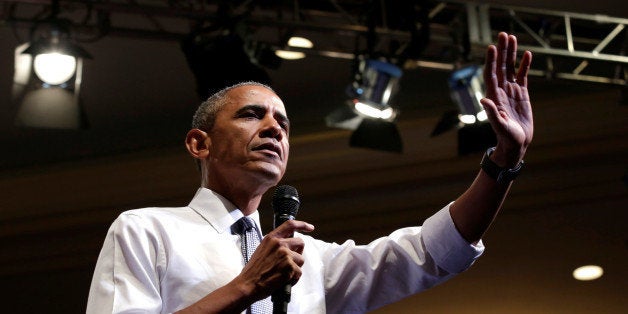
column 285, row 207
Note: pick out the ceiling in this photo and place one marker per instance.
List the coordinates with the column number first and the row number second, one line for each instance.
column 61, row 189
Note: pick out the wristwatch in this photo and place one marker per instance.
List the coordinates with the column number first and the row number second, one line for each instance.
column 502, row 175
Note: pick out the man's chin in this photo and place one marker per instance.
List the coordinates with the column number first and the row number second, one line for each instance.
column 268, row 173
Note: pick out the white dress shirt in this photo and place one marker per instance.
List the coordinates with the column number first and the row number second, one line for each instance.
column 160, row 260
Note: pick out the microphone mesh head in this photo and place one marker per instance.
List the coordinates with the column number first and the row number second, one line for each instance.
column 286, row 200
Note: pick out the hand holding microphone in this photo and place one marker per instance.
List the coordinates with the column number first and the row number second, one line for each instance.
column 285, row 207
column 278, row 258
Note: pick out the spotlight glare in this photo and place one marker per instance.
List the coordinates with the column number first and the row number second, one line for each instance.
column 289, row 55
column 588, row 272
column 466, row 118
column 300, row 42
column 477, row 93
column 482, row 116
column 367, row 110
column 54, row 68
column 386, row 113
column 373, row 112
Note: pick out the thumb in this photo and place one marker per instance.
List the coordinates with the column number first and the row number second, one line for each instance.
column 490, row 108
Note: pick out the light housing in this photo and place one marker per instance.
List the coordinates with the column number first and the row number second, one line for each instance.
column 56, row 59
column 46, row 82
column 367, row 112
column 222, row 57
column 290, row 53
column 466, row 87
column 475, row 134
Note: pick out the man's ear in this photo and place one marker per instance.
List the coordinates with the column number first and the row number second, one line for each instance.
column 198, row 143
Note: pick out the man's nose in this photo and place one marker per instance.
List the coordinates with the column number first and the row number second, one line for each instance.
column 272, row 129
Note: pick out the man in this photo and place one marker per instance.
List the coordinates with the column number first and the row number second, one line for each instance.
column 187, row 259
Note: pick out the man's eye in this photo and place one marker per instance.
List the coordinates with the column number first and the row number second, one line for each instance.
column 249, row 114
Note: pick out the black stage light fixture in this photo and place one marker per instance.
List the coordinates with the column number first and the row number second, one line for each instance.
column 47, row 81
column 368, row 112
column 219, row 59
column 467, row 89
column 466, row 86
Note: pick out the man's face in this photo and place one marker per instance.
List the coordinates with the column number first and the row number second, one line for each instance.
column 249, row 140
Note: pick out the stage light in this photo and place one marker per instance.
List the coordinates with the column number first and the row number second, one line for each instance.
column 56, row 58
column 466, row 87
column 294, row 42
column 368, row 112
column 222, row 57
column 54, row 68
column 588, row 272
column 371, row 110
column 289, row 54
column 475, row 134
column 47, row 80
column 300, row 42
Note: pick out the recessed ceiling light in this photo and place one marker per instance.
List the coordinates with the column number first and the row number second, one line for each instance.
column 588, row 272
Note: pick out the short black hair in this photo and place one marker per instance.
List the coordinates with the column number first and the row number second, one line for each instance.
column 205, row 116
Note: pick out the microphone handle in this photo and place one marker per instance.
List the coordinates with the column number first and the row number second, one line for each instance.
column 281, row 297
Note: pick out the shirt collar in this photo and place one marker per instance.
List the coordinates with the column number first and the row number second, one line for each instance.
column 218, row 211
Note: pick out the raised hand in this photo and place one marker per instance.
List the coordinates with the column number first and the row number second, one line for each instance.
column 507, row 102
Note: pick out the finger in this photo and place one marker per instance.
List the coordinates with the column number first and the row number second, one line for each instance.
column 295, row 276
column 511, row 58
column 524, row 68
column 294, row 244
column 502, row 51
column 297, row 258
column 288, row 228
column 490, row 78
column 491, row 110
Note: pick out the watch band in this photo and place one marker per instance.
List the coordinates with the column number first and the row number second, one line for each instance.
column 501, row 175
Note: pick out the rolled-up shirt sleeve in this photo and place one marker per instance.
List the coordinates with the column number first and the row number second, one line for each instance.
column 361, row 278
column 447, row 247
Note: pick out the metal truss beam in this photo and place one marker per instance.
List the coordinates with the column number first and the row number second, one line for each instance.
column 567, row 45
column 575, row 46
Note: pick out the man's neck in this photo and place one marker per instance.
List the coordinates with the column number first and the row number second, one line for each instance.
column 246, row 201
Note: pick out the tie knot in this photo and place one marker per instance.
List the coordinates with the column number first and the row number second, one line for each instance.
column 243, row 225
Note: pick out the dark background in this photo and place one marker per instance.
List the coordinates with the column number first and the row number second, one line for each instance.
column 61, row 189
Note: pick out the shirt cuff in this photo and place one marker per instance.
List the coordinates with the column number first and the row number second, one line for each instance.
column 444, row 243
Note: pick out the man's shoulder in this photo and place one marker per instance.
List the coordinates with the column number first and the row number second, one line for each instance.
column 156, row 211
column 157, row 215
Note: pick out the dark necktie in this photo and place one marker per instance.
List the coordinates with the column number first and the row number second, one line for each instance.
column 245, row 227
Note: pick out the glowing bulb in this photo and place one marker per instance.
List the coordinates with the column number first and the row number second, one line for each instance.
column 588, row 272
column 482, row 116
column 300, row 42
column 289, row 55
column 466, row 118
column 386, row 113
column 374, row 112
column 54, row 68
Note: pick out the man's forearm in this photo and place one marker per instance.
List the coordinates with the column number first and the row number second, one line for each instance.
column 231, row 298
column 474, row 211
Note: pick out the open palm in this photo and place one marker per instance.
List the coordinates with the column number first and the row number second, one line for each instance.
column 507, row 102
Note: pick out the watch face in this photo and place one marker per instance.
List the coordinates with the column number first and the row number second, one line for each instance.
column 508, row 175
column 502, row 175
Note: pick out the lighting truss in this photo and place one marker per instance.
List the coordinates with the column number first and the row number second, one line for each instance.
column 576, row 46
column 567, row 45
